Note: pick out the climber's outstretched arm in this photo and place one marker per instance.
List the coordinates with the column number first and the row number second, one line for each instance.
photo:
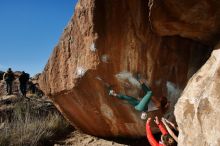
column 170, row 131
column 172, row 124
column 149, row 134
column 160, row 125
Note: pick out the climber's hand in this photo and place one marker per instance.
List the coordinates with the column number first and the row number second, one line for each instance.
column 156, row 120
column 163, row 120
column 148, row 120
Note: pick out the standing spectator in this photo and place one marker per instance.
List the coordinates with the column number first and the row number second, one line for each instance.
column 32, row 87
column 23, row 79
column 1, row 75
column 9, row 77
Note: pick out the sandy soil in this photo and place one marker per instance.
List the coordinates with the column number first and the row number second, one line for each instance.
column 77, row 138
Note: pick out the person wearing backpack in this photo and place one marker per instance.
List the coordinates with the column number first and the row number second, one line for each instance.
column 23, row 79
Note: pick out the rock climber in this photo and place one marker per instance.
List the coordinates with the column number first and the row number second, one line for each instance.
column 142, row 105
column 170, row 131
column 166, row 139
column 9, row 77
column 23, row 79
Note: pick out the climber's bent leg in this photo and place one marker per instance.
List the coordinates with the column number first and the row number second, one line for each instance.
column 133, row 101
column 144, row 102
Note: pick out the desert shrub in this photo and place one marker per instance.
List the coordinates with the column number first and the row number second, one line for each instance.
column 29, row 126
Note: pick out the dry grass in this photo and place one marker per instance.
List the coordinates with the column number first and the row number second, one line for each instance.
column 28, row 126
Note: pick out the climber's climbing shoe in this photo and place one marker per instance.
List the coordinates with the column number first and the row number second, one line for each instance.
column 112, row 93
column 143, row 116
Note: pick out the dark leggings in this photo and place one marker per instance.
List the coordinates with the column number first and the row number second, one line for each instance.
column 23, row 88
column 9, row 87
column 139, row 105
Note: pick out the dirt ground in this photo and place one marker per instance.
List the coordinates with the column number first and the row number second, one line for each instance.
column 77, row 138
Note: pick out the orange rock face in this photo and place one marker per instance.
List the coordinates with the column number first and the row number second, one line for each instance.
column 198, row 20
column 108, row 42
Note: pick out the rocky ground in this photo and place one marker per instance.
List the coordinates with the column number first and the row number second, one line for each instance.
column 77, row 138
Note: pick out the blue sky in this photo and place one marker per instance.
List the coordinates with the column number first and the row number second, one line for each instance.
column 29, row 30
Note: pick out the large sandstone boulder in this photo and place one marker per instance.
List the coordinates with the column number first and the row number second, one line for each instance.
column 107, row 42
column 197, row 111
